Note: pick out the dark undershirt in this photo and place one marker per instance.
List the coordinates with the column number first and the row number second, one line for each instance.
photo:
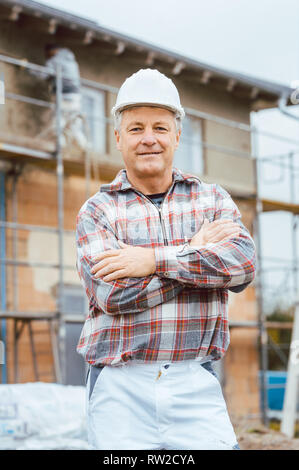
column 157, row 200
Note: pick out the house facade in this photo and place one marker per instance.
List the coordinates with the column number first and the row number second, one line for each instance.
column 216, row 145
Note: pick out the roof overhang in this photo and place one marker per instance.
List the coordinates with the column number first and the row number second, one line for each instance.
column 260, row 94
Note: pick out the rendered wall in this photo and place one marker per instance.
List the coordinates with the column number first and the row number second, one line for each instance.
column 37, row 203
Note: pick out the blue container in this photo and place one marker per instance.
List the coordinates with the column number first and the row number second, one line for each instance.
column 275, row 395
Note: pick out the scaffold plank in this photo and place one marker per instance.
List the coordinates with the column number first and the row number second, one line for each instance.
column 271, row 205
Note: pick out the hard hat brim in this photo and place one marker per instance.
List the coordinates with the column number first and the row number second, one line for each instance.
column 123, row 107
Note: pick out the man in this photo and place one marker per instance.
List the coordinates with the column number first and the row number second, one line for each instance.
column 72, row 121
column 157, row 252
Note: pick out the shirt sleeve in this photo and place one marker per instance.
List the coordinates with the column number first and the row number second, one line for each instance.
column 126, row 295
column 216, row 265
column 50, row 64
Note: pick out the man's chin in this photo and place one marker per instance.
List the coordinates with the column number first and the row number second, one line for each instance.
column 153, row 169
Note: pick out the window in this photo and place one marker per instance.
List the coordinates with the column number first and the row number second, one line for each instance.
column 74, row 309
column 93, row 107
column 189, row 155
column 74, row 301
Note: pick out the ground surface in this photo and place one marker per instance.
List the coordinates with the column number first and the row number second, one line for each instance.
column 252, row 435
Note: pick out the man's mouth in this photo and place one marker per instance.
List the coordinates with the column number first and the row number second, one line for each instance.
column 144, row 154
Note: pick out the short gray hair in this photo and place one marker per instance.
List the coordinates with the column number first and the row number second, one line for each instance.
column 118, row 118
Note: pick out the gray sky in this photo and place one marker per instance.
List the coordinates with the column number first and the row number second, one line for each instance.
column 254, row 37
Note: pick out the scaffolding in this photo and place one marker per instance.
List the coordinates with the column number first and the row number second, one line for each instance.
column 57, row 320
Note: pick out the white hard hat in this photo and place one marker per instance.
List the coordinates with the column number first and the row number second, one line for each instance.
column 148, row 87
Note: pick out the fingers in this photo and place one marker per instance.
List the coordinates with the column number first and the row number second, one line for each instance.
column 221, row 226
column 226, row 232
column 106, row 254
column 110, row 268
column 219, row 235
column 121, row 273
column 217, row 231
column 100, row 265
column 229, row 230
column 110, row 271
column 222, row 221
column 217, row 224
column 229, row 236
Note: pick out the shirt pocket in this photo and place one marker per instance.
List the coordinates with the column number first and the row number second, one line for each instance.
column 185, row 225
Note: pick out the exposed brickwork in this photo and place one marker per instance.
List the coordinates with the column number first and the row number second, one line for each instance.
column 37, row 204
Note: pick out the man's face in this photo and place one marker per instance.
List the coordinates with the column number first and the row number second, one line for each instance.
column 147, row 140
column 51, row 52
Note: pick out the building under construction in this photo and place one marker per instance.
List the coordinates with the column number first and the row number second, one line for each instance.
column 43, row 185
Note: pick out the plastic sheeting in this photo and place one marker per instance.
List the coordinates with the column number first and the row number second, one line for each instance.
column 42, row 416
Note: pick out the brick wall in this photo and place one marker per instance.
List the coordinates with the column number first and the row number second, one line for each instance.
column 36, row 287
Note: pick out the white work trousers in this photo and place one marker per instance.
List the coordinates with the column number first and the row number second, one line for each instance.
column 158, row 406
column 71, row 121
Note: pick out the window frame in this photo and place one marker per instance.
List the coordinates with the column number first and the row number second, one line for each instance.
column 194, row 167
column 100, row 106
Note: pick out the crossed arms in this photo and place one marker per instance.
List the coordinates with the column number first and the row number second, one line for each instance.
column 119, row 278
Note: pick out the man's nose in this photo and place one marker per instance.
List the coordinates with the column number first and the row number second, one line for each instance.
column 148, row 139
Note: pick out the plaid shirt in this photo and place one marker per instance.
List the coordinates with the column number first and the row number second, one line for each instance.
column 180, row 312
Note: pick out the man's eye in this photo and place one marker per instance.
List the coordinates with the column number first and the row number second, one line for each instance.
column 135, row 129
column 161, row 128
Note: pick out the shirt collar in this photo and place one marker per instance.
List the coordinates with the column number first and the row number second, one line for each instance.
column 121, row 182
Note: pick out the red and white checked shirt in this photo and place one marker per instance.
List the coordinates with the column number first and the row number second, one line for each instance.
column 180, row 312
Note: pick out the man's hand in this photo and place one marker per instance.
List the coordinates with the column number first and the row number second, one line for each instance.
column 23, row 63
column 128, row 261
column 217, row 231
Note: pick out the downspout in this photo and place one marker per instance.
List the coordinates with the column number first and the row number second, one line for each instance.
column 289, row 407
column 282, row 105
column 3, row 270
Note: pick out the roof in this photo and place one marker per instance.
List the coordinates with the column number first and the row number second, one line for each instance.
column 250, row 87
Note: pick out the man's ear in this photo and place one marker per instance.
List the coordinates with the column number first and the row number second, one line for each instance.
column 117, row 138
column 177, row 138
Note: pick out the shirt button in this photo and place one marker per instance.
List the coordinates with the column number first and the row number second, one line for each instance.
column 166, row 274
